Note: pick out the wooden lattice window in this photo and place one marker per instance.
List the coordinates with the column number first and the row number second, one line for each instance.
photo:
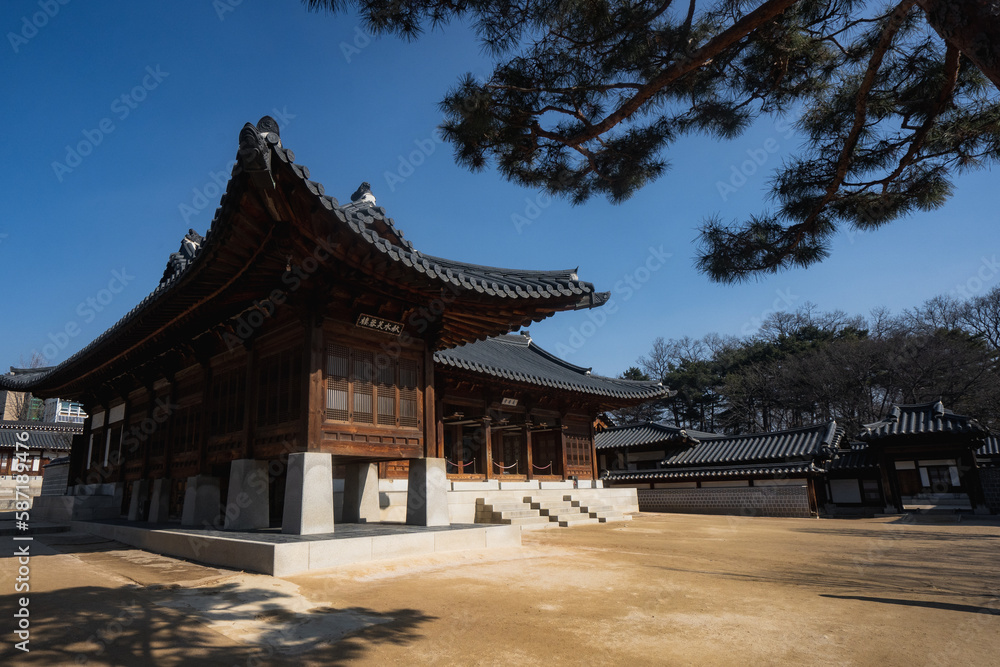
column 363, row 387
column 337, row 382
column 279, row 387
column 228, row 401
column 408, row 410
column 362, row 377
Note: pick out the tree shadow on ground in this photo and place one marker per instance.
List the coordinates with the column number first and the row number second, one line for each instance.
column 225, row 624
column 968, row 608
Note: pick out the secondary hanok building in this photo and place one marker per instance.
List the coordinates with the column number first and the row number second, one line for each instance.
column 760, row 474
column 920, row 457
column 300, row 332
column 26, row 447
column 988, row 464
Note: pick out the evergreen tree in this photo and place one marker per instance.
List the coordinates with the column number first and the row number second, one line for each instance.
column 645, row 412
column 587, row 95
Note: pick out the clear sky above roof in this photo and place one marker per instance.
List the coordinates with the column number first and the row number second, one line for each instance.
column 121, row 117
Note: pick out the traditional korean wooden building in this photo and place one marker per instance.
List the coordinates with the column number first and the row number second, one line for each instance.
column 35, row 444
column 926, row 457
column 298, row 332
column 988, row 464
column 676, row 470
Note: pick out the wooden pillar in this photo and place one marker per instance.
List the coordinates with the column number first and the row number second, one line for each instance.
column 168, row 443
column 811, row 489
column 890, row 482
column 126, row 416
column 488, row 445
column 147, row 445
column 206, row 409
column 527, row 447
column 593, row 452
column 78, row 451
column 433, row 447
column 970, row 479
column 249, row 405
column 314, row 393
column 562, row 445
column 439, row 428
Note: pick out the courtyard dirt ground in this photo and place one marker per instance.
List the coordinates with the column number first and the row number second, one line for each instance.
column 664, row 589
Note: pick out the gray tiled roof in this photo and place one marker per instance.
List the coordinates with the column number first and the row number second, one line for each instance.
column 921, row 420
column 361, row 221
column 518, row 359
column 795, row 451
column 990, row 448
column 807, row 442
column 648, row 433
column 682, row 474
column 41, row 435
column 858, row 457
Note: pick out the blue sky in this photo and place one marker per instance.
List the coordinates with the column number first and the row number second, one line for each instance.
column 157, row 93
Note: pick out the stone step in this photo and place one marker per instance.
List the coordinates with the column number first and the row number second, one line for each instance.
column 565, row 522
column 526, row 520
column 605, row 514
column 551, row 505
column 572, row 517
column 611, row 519
column 556, row 511
column 517, row 514
column 504, row 507
column 598, row 508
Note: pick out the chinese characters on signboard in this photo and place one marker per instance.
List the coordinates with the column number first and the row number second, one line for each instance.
column 378, row 324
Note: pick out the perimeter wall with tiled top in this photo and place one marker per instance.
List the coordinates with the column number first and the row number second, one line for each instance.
column 990, row 478
column 790, row 501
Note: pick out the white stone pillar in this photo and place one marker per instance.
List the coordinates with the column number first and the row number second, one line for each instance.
column 137, row 503
column 247, row 506
column 361, row 493
column 308, row 494
column 427, row 493
column 201, row 502
column 159, row 505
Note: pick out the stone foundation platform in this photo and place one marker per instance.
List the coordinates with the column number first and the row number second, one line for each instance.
column 270, row 552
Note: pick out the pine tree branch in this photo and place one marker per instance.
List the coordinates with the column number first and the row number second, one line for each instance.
column 724, row 40
column 892, row 26
column 951, row 67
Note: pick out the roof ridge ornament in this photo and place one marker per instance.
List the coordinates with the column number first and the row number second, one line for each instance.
column 178, row 261
column 364, row 195
column 254, row 154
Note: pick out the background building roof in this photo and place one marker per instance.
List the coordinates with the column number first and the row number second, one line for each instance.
column 517, row 358
column 922, row 420
column 41, row 435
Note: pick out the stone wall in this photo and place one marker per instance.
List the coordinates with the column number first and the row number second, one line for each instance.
column 990, row 478
column 745, row 501
column 8, row 490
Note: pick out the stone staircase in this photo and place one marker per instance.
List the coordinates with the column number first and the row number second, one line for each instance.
column 547, row 512
column 937, row 503
column 509, row 512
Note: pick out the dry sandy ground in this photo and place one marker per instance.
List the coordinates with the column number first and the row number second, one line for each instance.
column 663, row 589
